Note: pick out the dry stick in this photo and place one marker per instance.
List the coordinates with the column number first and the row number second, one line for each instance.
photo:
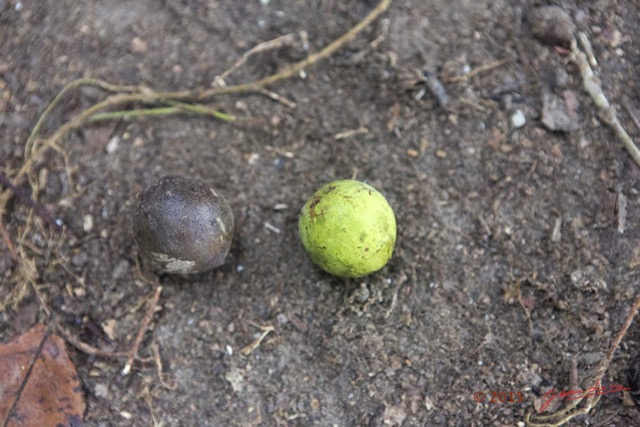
column 286, row 40
column 159, row 368
column 86, row 348
column 284, row 74
column 606, row 112
column 247, row 350
column 565, row 415
column 151, row 308
column 278, row 98
column 299, row 66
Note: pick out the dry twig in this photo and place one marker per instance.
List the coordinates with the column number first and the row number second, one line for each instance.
column 571, row 411
column 256, row 343
column 277, row 43
column 86, row 348
column 133, row 352
column 159, row 368
column 606, row 112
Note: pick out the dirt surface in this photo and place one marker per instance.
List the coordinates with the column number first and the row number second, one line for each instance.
column 510, row 265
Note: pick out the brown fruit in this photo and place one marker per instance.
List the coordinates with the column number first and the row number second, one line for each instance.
column 183, row 226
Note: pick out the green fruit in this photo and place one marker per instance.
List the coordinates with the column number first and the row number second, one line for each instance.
column 348, row 228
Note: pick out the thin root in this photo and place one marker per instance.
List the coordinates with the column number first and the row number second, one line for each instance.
column 277, row 43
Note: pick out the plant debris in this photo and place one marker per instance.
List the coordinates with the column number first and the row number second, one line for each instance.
column 38, row 382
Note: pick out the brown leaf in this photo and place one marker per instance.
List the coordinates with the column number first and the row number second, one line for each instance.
column 51, row 394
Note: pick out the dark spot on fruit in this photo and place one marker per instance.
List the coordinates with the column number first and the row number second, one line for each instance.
column 314, row 202
column 312, row 209
column 363, row 236
column 366, row 249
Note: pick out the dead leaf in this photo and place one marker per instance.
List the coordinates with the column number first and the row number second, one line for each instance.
column 51, row 394
column 394, row 415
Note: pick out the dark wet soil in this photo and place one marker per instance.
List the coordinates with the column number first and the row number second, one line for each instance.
column 517, row 245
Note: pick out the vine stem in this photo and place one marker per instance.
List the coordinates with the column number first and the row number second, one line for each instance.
column 141, row 94
column 176, row 108
column 85, row 81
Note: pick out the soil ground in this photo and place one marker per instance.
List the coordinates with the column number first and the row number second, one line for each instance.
column 510, row 264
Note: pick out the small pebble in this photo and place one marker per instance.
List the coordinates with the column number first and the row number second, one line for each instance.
column 101, row 391
column 120, row 269
column 112, row 145
column 87, row 223
column 79, row 259
column 518, row 119
column 552, row 24
column 138, row 45
column 556, row 115
column 560, row 78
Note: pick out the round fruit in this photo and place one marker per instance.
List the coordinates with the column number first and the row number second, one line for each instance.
column 183, row 226
column 348, row 228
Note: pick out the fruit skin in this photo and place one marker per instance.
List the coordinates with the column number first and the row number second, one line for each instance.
column 183, row 226
column 348, row 228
